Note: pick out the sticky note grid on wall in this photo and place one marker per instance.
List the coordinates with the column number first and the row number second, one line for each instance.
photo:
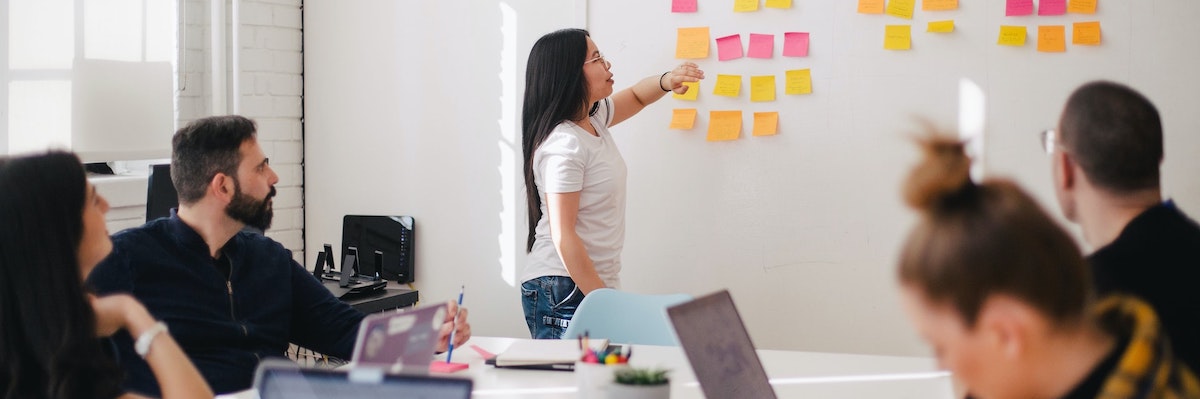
column 731, row 50
column 726, row 74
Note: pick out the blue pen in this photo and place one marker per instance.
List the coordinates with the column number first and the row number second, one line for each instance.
column 450, row 351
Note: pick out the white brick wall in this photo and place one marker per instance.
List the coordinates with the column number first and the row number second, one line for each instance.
column 271, row 85
column 270, row 66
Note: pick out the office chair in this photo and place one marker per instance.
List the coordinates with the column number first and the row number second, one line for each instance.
column 625, row 317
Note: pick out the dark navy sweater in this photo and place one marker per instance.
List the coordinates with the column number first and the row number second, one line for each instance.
column 226, row 326
column 1157, row 257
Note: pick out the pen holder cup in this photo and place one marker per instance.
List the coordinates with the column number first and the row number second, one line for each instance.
column 594, row 379
column 622, row 391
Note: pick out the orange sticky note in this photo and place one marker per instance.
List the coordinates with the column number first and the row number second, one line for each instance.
column 1011, row 35
column 779, row 4
column 1086, row 33
column 745, row 5
column 1082, row 6
column 692, row 43
column 724, row 125
column 901, row 8
column 766, row 123
column 683, row 118
column 939, row 5
column 799, row 81
column 762, row 88
column 692, row 92
column 940, row 26
column 1052, row 39
column 870, row 6
column 897, row 37
column 728, row 85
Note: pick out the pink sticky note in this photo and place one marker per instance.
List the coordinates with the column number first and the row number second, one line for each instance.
column 761, row 45
column 1052, row 7
column 441, row 366
column 795, row 44
column 683, row 5
column 1018, row 7
column 729, row 47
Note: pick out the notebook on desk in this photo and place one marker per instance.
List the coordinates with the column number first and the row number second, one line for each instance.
column 283, row 379
column 716, row 343
column 543, row 354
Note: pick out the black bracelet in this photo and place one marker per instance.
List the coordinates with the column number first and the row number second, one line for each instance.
column 660, row 78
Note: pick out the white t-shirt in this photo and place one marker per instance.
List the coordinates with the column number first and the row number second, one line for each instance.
column 570, row 160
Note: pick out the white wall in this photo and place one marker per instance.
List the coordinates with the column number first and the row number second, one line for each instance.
column 805, row 227
column 412, row 108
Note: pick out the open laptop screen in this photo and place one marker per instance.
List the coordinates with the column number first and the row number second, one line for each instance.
column 292, row 382
column 719, row 349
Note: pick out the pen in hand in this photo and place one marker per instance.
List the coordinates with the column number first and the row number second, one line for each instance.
column 454, row 323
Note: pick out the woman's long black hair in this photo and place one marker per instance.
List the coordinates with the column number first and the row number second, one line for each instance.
column 48, row 343
column 555, row 91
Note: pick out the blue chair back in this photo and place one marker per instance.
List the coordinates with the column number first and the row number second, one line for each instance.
column 625, row 317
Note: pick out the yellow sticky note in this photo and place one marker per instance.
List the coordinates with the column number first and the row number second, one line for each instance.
column 762, row 88
column 766, row 123
column 692, row 92
column 724, row 125
column 939, row 5
column 940, row 26
column 683, row 118
column 1052, row 39
column 897, row 37
column 799, row 81
column 870, row 6
column 901, row 8
column 1085, row 33
column 692, row 43
column 779, row 4
column 745, row 5
column 728, row 85
column 1011, row 35
column 1082, row 6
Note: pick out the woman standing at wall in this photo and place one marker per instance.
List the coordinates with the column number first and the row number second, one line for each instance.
column 574, row 175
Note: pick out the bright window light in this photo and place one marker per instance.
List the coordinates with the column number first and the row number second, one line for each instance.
column 50, row 22
column 112, row 30
column 161, row 31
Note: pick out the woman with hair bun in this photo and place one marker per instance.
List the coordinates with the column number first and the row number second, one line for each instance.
column 1001, row 293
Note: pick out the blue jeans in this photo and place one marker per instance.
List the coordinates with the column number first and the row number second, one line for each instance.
column 549, row 303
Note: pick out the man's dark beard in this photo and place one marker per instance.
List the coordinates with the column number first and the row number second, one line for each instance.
column 252, row 212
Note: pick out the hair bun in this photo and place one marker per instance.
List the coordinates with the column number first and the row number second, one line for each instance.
column 943, row 172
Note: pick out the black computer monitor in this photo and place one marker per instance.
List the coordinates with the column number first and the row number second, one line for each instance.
column 391, row 236
column 160, row 193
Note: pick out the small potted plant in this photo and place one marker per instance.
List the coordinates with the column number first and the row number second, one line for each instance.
column 639, row 383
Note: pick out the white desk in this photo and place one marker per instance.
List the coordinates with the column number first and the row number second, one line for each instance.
column 793, row 374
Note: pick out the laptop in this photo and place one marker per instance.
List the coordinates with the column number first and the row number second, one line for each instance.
column 283, row 379
column 399, row 342
column 716, row 343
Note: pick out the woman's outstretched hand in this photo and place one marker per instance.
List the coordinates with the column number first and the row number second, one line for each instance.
column 685, row 72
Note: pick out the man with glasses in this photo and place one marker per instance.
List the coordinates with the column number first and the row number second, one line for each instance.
column 1106, row 154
